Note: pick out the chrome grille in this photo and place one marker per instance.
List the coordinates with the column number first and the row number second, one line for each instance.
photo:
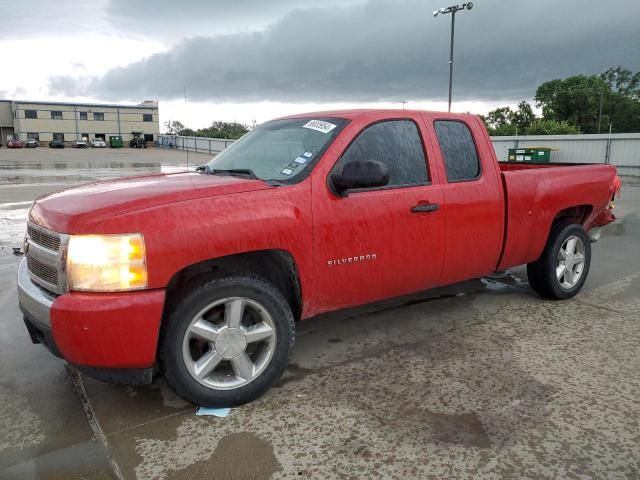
column 46, row 258
column 44, row 238
column 44, row 272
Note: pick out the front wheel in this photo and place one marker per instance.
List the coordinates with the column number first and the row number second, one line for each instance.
column 227, row 341
column 562, row 269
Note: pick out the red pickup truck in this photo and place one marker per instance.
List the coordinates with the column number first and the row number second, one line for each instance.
column 202, row 276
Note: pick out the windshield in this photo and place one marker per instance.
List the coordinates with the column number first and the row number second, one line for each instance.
column 281, row 150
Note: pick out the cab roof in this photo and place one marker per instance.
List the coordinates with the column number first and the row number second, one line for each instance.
column 352, row 114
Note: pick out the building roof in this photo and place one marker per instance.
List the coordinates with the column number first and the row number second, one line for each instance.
column 81, row 104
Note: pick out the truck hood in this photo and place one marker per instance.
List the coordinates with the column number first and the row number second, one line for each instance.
column 79, row 209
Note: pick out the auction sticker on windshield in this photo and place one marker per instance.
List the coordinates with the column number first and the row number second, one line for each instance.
column 319, row 126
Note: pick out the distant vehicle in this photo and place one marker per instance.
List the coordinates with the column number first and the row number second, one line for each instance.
column 56, row 144
column 79, row 144
column 138, row 142
column 31, row 143
column 14, row 144
column 98, row 143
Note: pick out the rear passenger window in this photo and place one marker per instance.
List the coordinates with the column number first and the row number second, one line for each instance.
column 397, row 144
column 458, row 150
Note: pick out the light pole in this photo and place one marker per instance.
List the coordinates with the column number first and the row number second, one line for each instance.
column 452, row 10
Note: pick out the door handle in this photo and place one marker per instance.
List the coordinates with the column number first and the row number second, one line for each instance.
column 425, row 208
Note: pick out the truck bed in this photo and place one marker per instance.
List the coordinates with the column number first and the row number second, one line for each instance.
column 537, row 193
column 513, row 166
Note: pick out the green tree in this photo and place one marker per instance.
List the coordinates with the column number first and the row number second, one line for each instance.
column 624, row 114
column 498, row 118
column 551, row 127
column 581, row 103
column 219, row 129
column 523, row 117
column 623, row 81
column 188, row 132
column 504, row 121
column 172, row 127
column 575, row 100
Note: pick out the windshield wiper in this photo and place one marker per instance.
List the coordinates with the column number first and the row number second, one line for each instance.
column 243, row 172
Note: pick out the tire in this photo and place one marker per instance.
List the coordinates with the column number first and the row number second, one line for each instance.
column 202, row 351
column 546, row 275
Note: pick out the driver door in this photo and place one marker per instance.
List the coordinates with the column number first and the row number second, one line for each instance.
column 379, row 242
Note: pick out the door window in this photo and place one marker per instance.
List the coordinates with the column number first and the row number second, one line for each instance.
column 458, row 150
column 398, row 145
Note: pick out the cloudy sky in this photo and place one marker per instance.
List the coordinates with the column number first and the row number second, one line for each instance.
column 256, row 59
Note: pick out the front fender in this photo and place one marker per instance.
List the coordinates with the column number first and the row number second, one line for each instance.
column 181, row 234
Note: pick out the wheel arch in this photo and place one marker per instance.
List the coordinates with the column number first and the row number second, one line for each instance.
column 522, row 245
column 576, row 214
column 275, row 266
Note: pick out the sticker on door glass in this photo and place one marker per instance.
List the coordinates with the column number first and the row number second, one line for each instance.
column 287, row 171
column 300, row 160
column 319, row 126
column 307, row 154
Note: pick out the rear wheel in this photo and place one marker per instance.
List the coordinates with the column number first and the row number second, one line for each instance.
column 227, row 341
column 562, row 269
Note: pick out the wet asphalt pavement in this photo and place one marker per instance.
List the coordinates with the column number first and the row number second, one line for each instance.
column 478, row 380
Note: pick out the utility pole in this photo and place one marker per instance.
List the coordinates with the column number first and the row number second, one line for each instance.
column 452, row 10
column 600, row 113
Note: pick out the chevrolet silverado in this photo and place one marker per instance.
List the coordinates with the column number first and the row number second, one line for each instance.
column 201, row 276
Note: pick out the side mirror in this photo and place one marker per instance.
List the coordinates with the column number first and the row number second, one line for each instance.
column 360, row 174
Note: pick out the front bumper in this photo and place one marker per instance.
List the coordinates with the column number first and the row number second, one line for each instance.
column 112, row 333
column 35, row 302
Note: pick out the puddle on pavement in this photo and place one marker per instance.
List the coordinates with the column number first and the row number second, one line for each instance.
column 58, row 174
column 238, row 455
column 72, row 172
column 503, row 282
column 13, row 220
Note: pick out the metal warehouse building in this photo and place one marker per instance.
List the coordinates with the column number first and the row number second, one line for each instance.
column 45, row 121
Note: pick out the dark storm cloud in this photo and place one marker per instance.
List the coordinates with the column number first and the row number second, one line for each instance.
column 385, row 50
column 190, row 18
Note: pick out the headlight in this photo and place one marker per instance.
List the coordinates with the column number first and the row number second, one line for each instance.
column 106, row 263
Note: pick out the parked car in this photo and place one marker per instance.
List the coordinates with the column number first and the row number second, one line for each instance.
column 201, row 276
column 98, row 143
column 137, row 142
column 14, row 143
column 56, row 144
column 79, row 144
column 31, row 143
